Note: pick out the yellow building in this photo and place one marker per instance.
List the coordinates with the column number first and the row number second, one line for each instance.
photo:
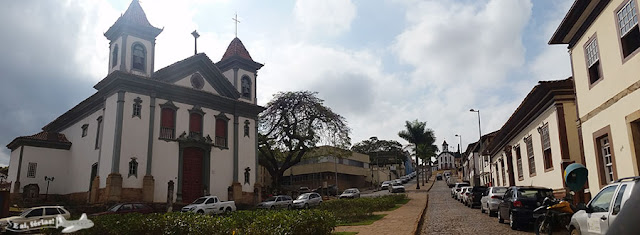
column 603, row 40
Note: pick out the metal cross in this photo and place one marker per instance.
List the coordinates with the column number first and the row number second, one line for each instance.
column 237, row 21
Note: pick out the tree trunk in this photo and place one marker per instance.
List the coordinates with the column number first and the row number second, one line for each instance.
column 417, row 171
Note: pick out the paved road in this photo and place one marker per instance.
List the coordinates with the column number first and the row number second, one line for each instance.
column 408, row 186
column 445, row 215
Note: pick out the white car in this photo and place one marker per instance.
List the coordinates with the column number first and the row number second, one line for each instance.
column 210, row 205
column 385, row 185
column 603, row 209
column 306, row 200
column 350, row 193
column 396, row 188
column 35, row 213
column 462, row 195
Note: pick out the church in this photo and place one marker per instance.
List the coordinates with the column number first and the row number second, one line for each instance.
column 446, row 159
column 178, row 133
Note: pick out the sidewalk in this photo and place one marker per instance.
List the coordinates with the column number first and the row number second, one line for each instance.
column 403, row 220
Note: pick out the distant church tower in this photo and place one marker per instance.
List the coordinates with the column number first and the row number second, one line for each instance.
column 445, row 146
column 132, row 42
column 240, row 69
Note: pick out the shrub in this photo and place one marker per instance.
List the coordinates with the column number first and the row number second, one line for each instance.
column 359, row 209
column 242, row 222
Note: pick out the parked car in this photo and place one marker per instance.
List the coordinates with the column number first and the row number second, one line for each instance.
column 474, row 194
column 518, row 204
column 491, row 199
column 35, row 213
column 456, row 189
column 304, row 190
column 350, row 193
column 210, row 205
column 447, row 174
column 276, row 202
column 462, row 195
column 606, row 206
column 438, row 176
column 307, row 200
column 396, row 188
column 385, row 185
column 126, row 208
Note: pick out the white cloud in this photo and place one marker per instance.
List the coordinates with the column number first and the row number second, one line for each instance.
column 324, row 18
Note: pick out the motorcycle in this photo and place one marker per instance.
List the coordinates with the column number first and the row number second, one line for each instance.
column 551, row 214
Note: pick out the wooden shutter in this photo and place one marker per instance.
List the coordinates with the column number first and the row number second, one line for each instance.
column 195, row 122
column 167, row 117
column 221, row 128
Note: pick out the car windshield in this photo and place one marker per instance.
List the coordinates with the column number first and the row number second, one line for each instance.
column 303, row 196
column 349, row 191
column 534, row 193
column 199, row 200
column 270, row 199
column 115, row 208
column 499, row 190
column 24, row 213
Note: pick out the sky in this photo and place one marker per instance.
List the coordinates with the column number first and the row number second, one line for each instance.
column 377, row 63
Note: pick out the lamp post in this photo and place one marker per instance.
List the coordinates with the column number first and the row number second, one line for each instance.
column 48, row 179
column 480, row 133
column 459, row 153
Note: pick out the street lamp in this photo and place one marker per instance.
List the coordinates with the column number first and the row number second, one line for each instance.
column 479, row 133
column 48, row 179
column 459, row 146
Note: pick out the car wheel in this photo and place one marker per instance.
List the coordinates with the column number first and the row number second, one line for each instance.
column 228, row 210
column 306, row 206
column 575, row 231
column 272, row 208
column 500, row 219
column 200, row 212
column 481, row 209
column 512, row 223
column 289, row 207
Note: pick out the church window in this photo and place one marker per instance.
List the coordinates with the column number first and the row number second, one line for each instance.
column 98, row 130
column 195, row 120
column 139, row 57
column 133, row 167
column 246, row 128
column 85, row 128
column 168, row 120
column 221, row 130
column 114, row 56
column 246, row 87
column 31, row 171
column 137, row 107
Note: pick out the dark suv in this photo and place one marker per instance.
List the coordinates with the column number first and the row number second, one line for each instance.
column 474, row 195
column 519, row 202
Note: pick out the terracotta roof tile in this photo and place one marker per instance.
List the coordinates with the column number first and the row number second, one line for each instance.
column 48, row 136
column 236, row 48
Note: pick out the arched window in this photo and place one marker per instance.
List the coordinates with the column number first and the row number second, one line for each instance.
column 114, row 56
column 246, row 87
column 133, row 167
column 139, row 56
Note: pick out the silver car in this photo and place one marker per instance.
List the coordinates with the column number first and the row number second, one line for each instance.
column 275, row 202
column 603, row 209
column 491, row 199
column 455, row 191
column 34, row 214
column 350, row 193
column 307, row 200
column 462, row 195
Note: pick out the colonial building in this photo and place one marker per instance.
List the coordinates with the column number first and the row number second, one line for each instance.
column 603, row 39
column 538, row 141
column 446, row 158
column 189, row 127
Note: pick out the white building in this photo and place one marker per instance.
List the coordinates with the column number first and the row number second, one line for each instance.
column 446, row 158
column 192, row 123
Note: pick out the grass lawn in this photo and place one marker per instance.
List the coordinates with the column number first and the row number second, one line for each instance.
column 344, row 233
column 370, row 220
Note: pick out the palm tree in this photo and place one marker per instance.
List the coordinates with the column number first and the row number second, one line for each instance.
column 418, row 134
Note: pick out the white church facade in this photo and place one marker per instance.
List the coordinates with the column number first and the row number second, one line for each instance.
column 192, row 124
column 446, row 159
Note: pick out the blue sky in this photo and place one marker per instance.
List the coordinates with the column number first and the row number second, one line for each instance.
column 378, row 63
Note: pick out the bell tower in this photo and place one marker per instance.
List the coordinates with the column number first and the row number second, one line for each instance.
column 132, row 41
column 445, row 146
column 240, row 69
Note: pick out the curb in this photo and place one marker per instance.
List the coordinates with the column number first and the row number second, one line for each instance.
column 418, row 225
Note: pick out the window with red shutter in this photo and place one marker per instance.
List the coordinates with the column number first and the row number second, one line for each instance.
column 195, row 123
column 221, row 132
column 167, row 123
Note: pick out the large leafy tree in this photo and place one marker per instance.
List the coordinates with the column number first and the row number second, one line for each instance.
column 291, row 125
column 417, row 134
column 373, row 146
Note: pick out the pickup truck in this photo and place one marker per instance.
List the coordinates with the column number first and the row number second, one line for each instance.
column 210, row 205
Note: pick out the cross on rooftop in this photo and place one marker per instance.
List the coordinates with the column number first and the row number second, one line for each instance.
column 236, row 21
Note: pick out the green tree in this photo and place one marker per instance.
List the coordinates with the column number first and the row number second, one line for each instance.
column 291, row 125
column 417, row 133
column 373, row 146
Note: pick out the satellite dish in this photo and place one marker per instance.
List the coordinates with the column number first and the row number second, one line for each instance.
column 575, row 175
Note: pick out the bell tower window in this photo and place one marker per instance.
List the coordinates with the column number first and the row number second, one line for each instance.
column 114, row 56
column 139, row 59
column 246, row 87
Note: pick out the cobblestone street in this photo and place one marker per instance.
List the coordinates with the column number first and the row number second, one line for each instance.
column 445, row 215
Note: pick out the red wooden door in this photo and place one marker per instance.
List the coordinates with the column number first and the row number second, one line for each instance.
column 192, row 187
